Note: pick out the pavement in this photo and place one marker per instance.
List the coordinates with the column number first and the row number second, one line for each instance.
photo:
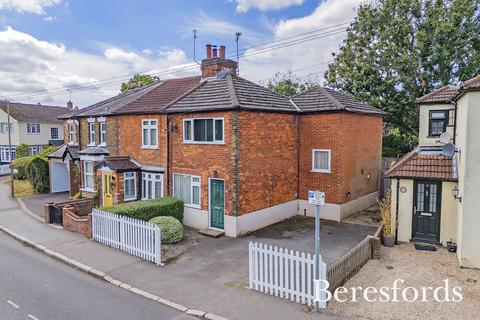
column 36, row 287
column 211, row 275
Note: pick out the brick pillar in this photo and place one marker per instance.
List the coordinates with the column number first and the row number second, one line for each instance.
column 46, row 211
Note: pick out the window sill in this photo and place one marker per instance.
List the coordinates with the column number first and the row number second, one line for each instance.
column 321, row 171
column 102, row 144
column 130, row 199
column 91, row 145
column 204, row 142
column 192, row 206
column 87, row 190
column 149, row 148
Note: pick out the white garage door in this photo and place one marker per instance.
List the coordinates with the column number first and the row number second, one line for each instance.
column 60, row 177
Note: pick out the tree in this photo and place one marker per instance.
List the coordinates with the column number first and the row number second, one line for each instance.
column 21, row 150
column 398, row 50
column 138, row 81
column 289, row 84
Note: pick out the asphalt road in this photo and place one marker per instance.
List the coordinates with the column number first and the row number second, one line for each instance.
column 34, row 286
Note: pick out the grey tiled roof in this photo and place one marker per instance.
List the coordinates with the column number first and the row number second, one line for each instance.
column 320, row 99
column 119, row 164
column 443, row 95
column 61, row 152
column 34, row 112
column 94, row 150
column 110, row 105
column 230, row 92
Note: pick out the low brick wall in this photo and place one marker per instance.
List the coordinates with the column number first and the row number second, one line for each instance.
column 77, row 216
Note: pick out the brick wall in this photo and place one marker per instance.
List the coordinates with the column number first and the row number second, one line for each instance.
column 130, row 139
column 77, row 216
column 355, row 144
column 203, row 159
column 268, row 160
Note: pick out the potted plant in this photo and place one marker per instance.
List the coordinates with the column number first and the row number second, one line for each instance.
column 384, row 205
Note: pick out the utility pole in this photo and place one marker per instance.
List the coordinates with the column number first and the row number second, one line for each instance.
column 237, row 37
column 9, row 125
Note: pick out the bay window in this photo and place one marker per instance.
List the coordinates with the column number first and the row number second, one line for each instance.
column 130, row 186
column 187, row 188
column 88, row 175
column 152, row 185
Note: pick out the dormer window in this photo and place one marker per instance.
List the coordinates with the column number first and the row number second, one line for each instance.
column 438, row 121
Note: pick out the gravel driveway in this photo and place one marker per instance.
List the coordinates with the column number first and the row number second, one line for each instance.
column 418, row 269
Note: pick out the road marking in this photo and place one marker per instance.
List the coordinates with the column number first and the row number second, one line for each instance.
column 32, row 317
column 13, row 304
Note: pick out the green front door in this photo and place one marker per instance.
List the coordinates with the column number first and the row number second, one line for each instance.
column 217, row 203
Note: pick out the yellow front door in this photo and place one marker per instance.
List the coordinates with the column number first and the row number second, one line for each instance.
column 107, row 190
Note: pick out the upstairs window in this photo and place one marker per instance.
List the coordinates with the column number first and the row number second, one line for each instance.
column 71, row 136
column 91, row 133
column 33, row 128
column 4, row 127
column 149, row 134
column 103, row 133
column 438, row 121
column 203, row 130
column 54, row 133
column 321, row 159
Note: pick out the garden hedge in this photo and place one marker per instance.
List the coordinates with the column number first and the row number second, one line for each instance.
column 22, row 150
column 148, row 209
column 171, row 229
column 20, row 164
column 37, row 172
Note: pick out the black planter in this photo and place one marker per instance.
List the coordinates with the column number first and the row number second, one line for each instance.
column 388, row 241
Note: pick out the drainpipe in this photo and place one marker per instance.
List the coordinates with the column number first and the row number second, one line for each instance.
column 455, row 124
column 169, row 156
column 396, row 209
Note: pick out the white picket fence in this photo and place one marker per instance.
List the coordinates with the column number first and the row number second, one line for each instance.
column 283, row 273
column 4, row 169
column 136, row 237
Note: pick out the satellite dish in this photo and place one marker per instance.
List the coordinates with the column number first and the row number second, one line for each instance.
column 448, row 150
column 445, row 138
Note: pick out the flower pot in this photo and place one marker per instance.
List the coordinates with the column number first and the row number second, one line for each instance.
column 388, row 241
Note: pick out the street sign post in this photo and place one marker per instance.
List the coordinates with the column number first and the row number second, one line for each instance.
column 317, row 198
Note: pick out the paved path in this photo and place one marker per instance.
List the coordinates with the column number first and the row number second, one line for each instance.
column 34, row 286
column 211, row 277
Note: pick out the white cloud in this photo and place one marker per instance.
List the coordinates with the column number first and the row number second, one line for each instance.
column 265, row 5
column 30, row 65
column 28, row 6
column 315, row 53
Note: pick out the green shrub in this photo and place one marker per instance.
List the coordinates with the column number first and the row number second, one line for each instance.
column 171, row 229
column 22, row 150
column 37, row 173
column 20, row 164
column 148, row 209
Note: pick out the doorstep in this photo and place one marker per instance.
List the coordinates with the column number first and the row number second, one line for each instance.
column 210, row 232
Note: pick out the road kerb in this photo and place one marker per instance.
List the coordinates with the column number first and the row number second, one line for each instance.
column 101, row 275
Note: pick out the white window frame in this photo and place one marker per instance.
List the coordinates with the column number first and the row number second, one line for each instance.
column 71, row 133
column 54, row 129
column 329, row 170
column 192, row 184
column 103, row 133
column 85, row 188
column 149, row 128
column 33, row 128
column 34, row 150
column 134, row 178
column 6, row 156
column 4, row 127
column 91, row 133
column 150, row 176
column 192, row 141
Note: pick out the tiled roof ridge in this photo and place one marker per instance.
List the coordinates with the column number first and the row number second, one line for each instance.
column 469, row 81
column 260, row 86
column 232, row 91
column 202, row 83
column 402, row 160
column 331, row 98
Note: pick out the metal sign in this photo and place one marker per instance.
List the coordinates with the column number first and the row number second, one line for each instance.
column 316, row 198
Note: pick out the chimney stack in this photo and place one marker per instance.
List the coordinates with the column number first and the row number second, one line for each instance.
column 70, row 105
column 222, row 52
column 209, row 51
column 216, row 62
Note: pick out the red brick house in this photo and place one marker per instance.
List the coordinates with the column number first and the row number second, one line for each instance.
column 239, row 155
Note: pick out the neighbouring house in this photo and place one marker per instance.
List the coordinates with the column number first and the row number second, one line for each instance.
column 435, row 188
column 240, row 156
column 35, row 125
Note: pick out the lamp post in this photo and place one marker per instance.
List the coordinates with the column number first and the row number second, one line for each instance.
column 9, row 125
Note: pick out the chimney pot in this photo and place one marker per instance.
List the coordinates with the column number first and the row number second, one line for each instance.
column 70, row 105
column 209, row 51
column 214, row 51
column 222, row 52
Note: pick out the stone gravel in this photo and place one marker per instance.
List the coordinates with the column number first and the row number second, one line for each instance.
column 418, row 269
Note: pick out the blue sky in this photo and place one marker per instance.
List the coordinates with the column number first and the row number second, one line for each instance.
column 62, row 43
